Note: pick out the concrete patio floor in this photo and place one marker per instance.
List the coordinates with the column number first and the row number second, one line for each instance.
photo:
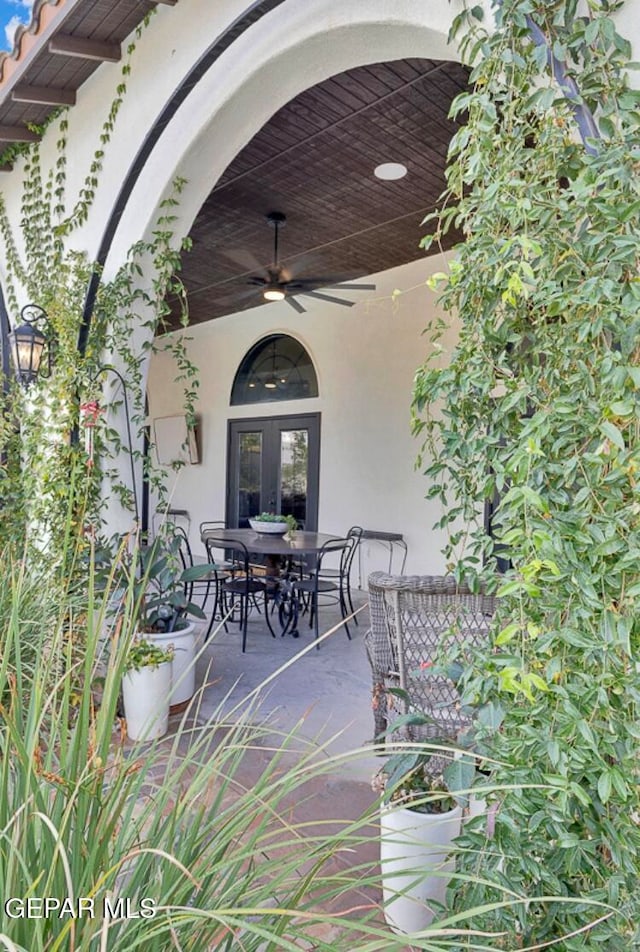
column 327, row 691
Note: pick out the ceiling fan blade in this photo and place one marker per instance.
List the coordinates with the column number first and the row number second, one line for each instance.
column 296, row 305
column 330, row 282
column 352, row 287
column 322, row 282
column 328, row 297
column 246, row 259
column 256, row 281
column 247, row 293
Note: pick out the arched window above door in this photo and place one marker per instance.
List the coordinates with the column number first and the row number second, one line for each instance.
column 276, row 368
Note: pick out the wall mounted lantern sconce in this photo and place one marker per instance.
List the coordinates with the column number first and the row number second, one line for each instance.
column 28, row 345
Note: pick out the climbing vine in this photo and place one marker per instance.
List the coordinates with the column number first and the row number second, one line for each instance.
column 538, row 406
column 74, row 420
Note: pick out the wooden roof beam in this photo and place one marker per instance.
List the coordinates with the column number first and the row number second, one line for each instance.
column 65, row 44
column 43, row 95
column 17, row 134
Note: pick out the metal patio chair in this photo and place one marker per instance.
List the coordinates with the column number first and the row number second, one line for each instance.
column 241, row 588
column 342, row 573
column 310, row 589
column 204, row 585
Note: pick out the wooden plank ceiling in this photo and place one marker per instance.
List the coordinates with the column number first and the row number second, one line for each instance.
column 314, row 162
column 80, row 36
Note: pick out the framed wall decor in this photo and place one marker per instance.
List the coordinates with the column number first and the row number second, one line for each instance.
column 175, row 442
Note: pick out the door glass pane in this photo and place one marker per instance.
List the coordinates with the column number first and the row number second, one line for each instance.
column 249, row 476
column 294, row 457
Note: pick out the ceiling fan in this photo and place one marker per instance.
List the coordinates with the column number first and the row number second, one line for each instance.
column 280, row 286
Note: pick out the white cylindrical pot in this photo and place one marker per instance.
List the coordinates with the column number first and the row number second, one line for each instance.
column 183, row 642
column 146, row 701
column 416, row 864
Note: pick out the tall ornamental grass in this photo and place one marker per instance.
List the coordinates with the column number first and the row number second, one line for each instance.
column 173, row 844
column 119, row 829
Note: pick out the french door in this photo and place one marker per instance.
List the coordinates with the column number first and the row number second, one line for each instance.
column 274, row 466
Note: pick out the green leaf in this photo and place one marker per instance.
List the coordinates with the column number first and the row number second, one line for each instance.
column 613, row 433
column 491, row 715
column 459, row 776
column 510, row 588
column 195, row 572
column 622, row 408
column 604, row 786
column 537, row 681
column 508, row 632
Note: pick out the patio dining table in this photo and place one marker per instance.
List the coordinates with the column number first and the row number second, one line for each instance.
column 280, row 551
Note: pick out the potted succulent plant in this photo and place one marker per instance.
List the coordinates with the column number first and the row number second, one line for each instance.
column 271, row 523
column 163, row 610
column 146, row 688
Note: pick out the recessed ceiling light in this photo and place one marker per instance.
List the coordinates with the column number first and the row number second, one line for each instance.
column 389, row 171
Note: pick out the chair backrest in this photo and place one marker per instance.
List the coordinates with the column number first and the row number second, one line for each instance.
column 423, row 619
column 212, row 524
column 186, row 556
column 333, row 545
column 354, row 535
column 241, row 554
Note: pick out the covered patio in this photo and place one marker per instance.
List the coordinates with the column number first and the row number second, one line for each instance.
column 402, row 316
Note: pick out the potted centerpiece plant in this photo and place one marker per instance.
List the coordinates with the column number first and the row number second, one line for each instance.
column 146, row 689
column 164, row 605
column 271, row 523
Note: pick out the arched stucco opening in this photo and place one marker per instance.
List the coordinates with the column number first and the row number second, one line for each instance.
column 285, row 52
column 258, row 75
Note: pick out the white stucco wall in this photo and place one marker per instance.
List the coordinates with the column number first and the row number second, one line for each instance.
column 365, row 413
column 365, row 357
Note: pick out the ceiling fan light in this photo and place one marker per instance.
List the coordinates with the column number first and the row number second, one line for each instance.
column 271, row 384
column 273, row 293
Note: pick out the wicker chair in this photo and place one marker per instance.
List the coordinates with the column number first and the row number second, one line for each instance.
column 416, row 620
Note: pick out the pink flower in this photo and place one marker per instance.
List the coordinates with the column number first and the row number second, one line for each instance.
column 425, row 664
column 91, row 412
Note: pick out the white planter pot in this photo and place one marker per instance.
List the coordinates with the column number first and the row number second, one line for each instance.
column 183, row 642
column 268, row 528
column 146, row 701
column 416, row 864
